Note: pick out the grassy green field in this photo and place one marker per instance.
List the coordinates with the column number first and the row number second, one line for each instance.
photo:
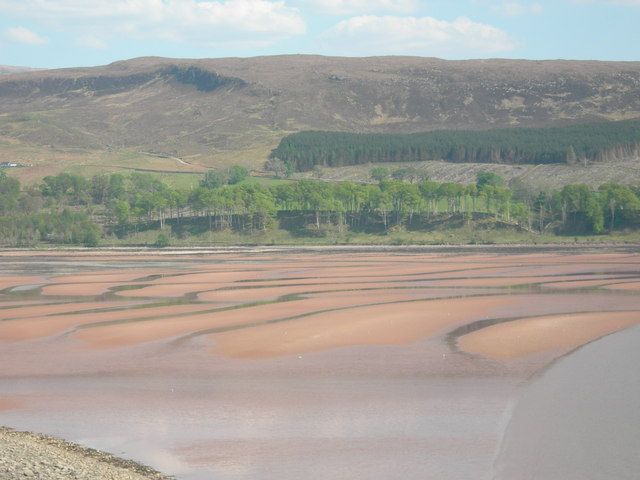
column 43, row 160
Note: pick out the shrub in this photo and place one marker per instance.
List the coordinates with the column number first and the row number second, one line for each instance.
column 162, row 241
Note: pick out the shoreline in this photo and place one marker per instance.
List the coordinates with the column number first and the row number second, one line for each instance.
column 34, row 455
column 323, row 248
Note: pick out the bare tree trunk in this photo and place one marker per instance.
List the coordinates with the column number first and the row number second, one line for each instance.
column 612, row 208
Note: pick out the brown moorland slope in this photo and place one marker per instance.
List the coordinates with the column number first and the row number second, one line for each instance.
column 7, row 69
column 215, row 110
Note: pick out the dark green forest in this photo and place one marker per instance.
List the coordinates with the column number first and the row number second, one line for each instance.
column 571, row 144
column 71, row 209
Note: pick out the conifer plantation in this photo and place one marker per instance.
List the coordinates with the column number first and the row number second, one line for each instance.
column 571, row 144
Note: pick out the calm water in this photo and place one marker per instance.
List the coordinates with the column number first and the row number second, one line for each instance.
column 253, row 428
column 581, row 418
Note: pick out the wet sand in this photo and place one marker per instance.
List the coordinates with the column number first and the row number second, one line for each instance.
column 8, row 403
column 24, row 312
column 260, row 364
column 632, row 286
column 244, row 319
column 553, row 333
column 43, row 326
column 386, row 324
column 11, row 281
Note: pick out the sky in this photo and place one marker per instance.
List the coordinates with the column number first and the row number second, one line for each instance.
column 68, row 33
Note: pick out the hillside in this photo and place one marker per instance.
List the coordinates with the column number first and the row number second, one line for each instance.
column 542, row 177
column 7, row 69
column 211, row 112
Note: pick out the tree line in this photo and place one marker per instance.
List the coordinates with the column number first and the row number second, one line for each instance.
column 569, row 144
column 72, row 209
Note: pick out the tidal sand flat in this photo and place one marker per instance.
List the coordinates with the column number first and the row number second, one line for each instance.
column 250, row 364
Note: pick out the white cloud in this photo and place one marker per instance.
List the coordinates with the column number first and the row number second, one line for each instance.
column 199, row 22
column 517, row 9
column 24, row 35
column 351, row 7
column 365, row 35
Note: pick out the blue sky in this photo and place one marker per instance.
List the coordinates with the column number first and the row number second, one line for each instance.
column 63, row 33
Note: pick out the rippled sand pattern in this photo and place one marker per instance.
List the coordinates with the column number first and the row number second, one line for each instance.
column 255, row 352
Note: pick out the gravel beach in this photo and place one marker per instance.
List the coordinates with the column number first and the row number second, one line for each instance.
column 26, row 455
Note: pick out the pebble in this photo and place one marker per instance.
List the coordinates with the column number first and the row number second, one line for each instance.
column 26, row 455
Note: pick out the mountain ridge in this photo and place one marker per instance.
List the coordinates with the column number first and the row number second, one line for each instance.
column 12, row 69
column 218, row 109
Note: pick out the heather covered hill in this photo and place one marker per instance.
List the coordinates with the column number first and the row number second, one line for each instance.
column 7, row 69
column 210, row 111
